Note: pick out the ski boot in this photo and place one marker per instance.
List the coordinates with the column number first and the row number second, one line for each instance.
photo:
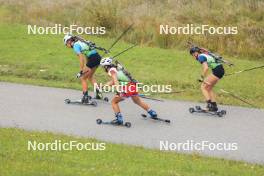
column 98, row 94
column 152, row 114
column 213, row 107
column 118, row 120
column 86, row 98
column 209, row 105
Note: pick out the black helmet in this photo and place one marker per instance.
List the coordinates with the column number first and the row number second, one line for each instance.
column 194, row 49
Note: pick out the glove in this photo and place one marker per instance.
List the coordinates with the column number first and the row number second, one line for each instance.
column 201, row 79
column 106, row 51
column 79, row 74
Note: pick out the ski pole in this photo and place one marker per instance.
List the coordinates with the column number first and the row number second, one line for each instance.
column 237, row 97
column 125, row 31
column 145, row 97
column 249, row 69
column 124, row 50
column 172, row 92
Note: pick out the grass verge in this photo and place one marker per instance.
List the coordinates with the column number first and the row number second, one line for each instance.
column 117, row 159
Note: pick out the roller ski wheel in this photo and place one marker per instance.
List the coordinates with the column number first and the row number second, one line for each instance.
column 191, row 110
column 127, row 124
column 223, row 112
column 106, row 99
column 219, row 114
column 198, row 108
column 67, row 101
column 156, row 118
column 94, row 103
column 101, row 122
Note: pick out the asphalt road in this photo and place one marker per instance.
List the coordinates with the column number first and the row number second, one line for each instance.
column 42, row 108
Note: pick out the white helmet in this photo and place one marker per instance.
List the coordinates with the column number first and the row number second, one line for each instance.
column 106, row 61
column 66, row 38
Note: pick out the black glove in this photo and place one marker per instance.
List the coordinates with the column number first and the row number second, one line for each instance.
column 79, row 74
column 201, row 79
column 106, row 51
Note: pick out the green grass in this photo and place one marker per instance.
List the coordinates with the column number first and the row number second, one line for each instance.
column 44, row 60
column 116, row 160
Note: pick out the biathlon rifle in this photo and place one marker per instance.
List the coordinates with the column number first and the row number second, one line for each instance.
column 217, row 57
column 121, row 67
column 90, row 44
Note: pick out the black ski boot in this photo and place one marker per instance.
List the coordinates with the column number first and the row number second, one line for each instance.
column 98, row 94
column 209, row 105
column 214, row 107
column 86, row 98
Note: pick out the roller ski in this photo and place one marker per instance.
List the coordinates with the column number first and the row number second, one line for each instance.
column 101, row 122
column 210, row 111
column 153, row 115
column 86, row 100
column 116, row 122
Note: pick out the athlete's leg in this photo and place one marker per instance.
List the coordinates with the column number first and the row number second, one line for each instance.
column 211, row 80
column 96, row 88
column 84, row 78
column 91, row 76
column 115, row 102
column 119, row 118
column 205, row 91
column 84, row 85
column 137, row 100
column 93, row 63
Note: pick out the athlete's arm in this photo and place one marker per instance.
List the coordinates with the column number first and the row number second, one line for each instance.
column 115, row 81
column 203, row 60
column 114, row 77
column 82, row 60
column 78, row 50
